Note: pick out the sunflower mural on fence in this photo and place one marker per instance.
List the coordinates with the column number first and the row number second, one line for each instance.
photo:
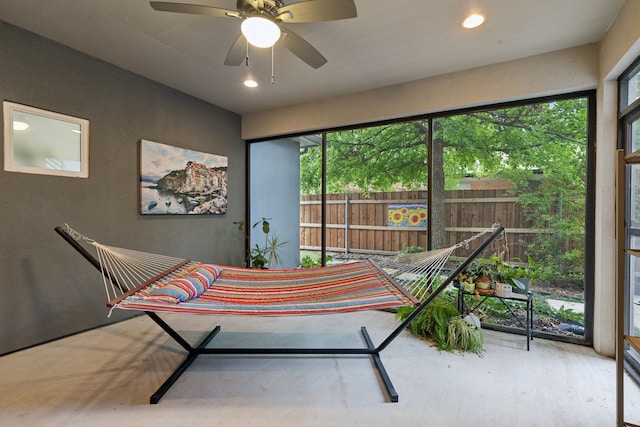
column 407, row 215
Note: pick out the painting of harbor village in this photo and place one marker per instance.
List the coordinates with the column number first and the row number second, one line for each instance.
column 178, row 181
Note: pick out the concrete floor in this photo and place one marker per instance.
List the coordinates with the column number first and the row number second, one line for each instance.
column 105, row 377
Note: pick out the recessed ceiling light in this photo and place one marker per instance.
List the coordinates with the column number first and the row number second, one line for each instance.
column 473, row 21
column 250, row 83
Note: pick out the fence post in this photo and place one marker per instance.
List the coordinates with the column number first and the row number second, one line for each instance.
column 346, row 223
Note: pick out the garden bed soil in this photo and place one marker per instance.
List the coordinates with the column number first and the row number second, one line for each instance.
column 544, row 324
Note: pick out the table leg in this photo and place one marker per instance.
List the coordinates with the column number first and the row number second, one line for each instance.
column 529, row 319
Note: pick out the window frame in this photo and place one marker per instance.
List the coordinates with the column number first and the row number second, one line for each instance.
column 589, row 247
column 78, row 141
column 628, row 114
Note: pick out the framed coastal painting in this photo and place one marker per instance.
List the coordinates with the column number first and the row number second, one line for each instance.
column 179, row 181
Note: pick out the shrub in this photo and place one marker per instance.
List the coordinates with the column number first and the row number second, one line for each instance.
column 432, row 322
column 463, row 336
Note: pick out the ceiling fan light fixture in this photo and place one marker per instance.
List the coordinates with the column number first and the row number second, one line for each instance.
column 260, row 32
column 473, row 21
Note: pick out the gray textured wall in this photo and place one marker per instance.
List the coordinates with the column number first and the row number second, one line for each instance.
column 47, row 289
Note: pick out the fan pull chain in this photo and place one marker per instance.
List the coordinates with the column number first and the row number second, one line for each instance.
column 273, row 78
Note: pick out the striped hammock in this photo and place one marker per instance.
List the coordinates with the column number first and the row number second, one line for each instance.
column 135, row 280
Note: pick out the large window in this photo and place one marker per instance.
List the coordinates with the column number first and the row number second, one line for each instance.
column 376, row 182
column 630, row 141
column 524, row 166
column 432, row 181
column 435, row 180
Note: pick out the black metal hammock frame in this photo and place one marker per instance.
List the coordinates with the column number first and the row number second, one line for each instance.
column 193, row 351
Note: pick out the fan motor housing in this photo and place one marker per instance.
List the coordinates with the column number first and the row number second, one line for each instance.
column 250, row 7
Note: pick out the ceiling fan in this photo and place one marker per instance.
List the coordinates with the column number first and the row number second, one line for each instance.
column 272, row 14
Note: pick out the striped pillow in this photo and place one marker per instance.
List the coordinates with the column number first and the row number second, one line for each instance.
column 211, row 271
column 188, row 285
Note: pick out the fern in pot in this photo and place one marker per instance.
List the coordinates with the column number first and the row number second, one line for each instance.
column 464, row 335
column 441, row 322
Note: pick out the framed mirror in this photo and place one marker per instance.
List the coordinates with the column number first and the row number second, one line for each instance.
column 43, row 142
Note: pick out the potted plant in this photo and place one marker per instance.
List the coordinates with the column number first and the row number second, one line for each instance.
column 432, row 322
column 463, row 335
column 477, row 272
column 521, row 276
column 268, row 254
column 442, row 323
column 467, row 283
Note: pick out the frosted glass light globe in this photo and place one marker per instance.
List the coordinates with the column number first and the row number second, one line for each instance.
column 260, row 32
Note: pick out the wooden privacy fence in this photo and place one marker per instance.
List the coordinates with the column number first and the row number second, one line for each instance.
column 388, row 222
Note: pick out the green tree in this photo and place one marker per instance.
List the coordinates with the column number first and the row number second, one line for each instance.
column 510, row 144
column 371, row 159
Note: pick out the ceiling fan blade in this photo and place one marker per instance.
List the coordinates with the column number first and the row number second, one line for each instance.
column 317, row 10
column 194, row 9
column 237, row 53
column 302, row 49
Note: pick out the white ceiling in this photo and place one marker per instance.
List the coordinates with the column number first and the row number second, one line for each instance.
column 389, row 42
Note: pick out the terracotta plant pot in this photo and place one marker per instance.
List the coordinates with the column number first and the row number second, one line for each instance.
column 483, row 282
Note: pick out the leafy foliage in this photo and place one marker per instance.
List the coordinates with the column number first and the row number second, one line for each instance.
column 268, row 254
column 307, row 261
column 515, row 269
column 540, row 148
column 569, row 314
column 375, row 158
column 549, row 139
column 411, row 250
column 441, row 322
column 432, row 322
column 476, row 268
column 463, row 336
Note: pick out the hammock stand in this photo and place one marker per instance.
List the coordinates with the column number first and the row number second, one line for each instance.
column 371, row 350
